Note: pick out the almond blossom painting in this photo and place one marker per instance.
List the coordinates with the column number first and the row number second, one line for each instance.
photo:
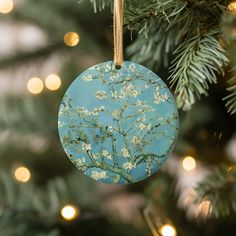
column 118, row 125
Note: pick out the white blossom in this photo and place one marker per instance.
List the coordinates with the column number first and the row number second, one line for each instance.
column 88, row 78
column 142, row 118
column 145, row 126
column 80, row 162
column 125, row 152
column 117, row 114
column 101, row 95
column 106, row 154
column 139, row 103
column 135, row 140
column 99, row 175
column 60, row 124
column 130, row 90
column 127, row 90
column 128, row 87
column 129, row 165
column 97, row 110
column 110, row 128
column 146, row 108
column 114, row 94
column 132, row 67
column 142, row 126
column 134, row 93
column 122, row 94
column 83, row 112
column 158, row 98
column 86, row 147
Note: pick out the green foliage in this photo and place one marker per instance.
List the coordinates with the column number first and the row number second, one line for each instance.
column 195, row 66
column 231, row 98
column 30, row 211
column 228, row 28
column 100, row 5
column 219, row 189
column 26, row 209
column 190, row 26
column 190, row 31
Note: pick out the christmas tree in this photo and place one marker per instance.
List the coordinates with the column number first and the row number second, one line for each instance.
column 44, row 45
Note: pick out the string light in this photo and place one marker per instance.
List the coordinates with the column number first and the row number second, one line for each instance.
column 168, row 230
column 189, row 163
column 69, row 212
column 232, row 6
column 71, row 39
column 53, row 82
column 22, row 174
column 35, row 85
column 6, row 6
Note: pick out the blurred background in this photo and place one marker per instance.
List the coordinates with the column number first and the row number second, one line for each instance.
column 44, row 45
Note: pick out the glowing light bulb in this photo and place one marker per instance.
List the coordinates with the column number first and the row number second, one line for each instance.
column 189, row 163
column 22, row 174
column 35, row 85
column 53, row 82
column 71, row 39
column 6, row 6
column 232, row 6
column 69, row 212
column 168, row 230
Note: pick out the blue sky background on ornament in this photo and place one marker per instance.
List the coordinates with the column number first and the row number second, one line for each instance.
column 118, row 126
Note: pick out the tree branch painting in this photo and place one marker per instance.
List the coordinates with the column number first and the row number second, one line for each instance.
column 118, row 126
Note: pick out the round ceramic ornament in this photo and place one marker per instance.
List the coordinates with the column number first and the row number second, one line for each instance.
column 118, row 125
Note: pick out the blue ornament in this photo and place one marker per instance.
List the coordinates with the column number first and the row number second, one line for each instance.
column 118, row 125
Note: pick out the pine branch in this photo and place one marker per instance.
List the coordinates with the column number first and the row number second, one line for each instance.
column 23, row 114
column 195, row 66
column 142, row 16
column 154, row 51
column 231, row 98
column 25, row 57
column 26, row 209
column 228, row 28
column 219, row 189
column 163, row 25
column 100, row 5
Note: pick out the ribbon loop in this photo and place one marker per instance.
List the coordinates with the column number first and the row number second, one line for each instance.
column 118, row 32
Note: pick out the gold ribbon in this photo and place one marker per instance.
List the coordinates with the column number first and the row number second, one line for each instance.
column 118, row 32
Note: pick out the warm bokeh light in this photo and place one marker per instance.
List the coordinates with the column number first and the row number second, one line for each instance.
column 204, row 209
column 71, row 39
column 53, row 82
column 6, row 6
column 69, row 212
column 168, row 230
column 189, row 163
column 22, row 174
column 232, row 6
column 35, row 85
